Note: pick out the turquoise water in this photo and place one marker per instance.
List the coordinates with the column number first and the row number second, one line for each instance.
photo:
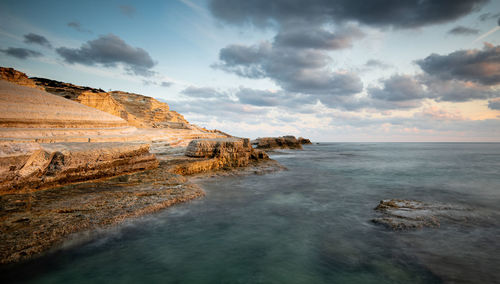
column 309, row 224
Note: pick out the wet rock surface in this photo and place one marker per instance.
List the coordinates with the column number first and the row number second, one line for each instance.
column 33, row 222
column 398, row 214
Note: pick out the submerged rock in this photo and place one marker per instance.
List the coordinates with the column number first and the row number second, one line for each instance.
column 284, row 142
column 400, row 214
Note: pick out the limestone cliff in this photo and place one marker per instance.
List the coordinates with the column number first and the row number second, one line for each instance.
column 138, row 110
column 17, row 77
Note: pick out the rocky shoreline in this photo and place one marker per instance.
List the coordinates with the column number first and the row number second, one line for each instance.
column 67, row 166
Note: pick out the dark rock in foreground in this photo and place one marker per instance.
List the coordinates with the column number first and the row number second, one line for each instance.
column 409, row 214
column 284, row 142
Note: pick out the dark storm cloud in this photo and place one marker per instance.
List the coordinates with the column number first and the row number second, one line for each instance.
column 398, row 88
column 110, row 50
column 295, row 70
column 479, row 66
column 460, row 30
column 306, row 37
column 494, row 104
column 32, row 38
column 20, row 53
column 78, row 27
column 394, row 13
column 127, row 10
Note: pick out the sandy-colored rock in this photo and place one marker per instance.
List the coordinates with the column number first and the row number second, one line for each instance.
column 205, row 155
column 138, row 110
column 29, row 167
column 284, row 142
column 25, row 107
column 17, row 77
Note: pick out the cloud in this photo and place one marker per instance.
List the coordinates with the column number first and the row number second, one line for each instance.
column 203, row 92
column 166, row 84
column 381, row 13
column 78, row 27
column 295, row 70
column 32, row 38
column 479, row 66
column 264, row 98
column 21, row 53
column 110, row 50
column 461, row 30
column 374, row 63
column 456, row 90
column 398, row 88
column 494, row 104
column 127, row 10
column 303, row 36
column 487, row 16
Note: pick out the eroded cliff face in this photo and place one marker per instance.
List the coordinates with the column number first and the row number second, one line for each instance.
column 138, row 110
column 284, row 142
column 17, row 77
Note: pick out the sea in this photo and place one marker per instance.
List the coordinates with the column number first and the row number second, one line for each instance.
column 310, row 223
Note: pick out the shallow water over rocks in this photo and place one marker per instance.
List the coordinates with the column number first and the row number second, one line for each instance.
column 309, row 224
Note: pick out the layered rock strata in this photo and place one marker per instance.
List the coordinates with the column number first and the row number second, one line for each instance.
column 398, row 214
column 34, row 222
column 284, row 142
column 138, row 110
column 216, row 154
column 31, row 166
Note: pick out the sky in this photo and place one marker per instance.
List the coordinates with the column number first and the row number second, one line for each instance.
column 345, row 70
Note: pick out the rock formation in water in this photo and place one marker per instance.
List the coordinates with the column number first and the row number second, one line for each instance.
column 284, row 142
column 399, row 214
column 215, row 154
column 304, row 141
column 126, row 161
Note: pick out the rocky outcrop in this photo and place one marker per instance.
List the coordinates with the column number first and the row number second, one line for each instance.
column 398, row 214
column 31, row 166
column 304, row 141
column 17, row 77
column 284, row 142
column 138, row 110
column 215, row 154
column 34, row 222
column 25, row 107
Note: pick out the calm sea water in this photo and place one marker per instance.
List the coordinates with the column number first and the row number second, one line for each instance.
column 310, row 224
